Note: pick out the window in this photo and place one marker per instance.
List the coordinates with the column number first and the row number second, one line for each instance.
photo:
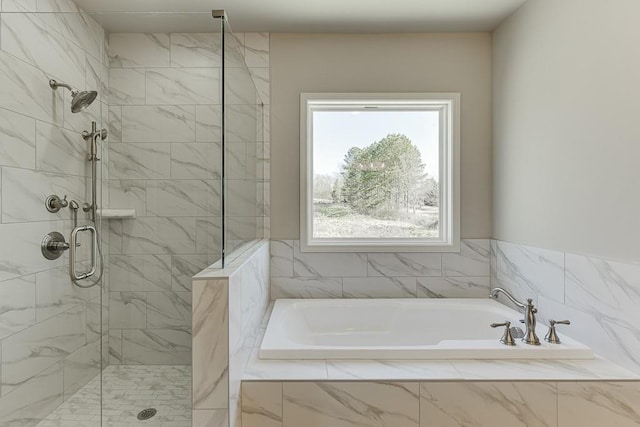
column 379, row 172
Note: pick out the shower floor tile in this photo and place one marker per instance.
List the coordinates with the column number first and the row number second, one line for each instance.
column 127, row 390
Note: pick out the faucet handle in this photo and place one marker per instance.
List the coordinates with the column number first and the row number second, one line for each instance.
column 552, row 336
column 507, row 338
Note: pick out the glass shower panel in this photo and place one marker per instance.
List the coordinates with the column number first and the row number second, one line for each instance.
column 244, row 202
column 51, row 331
column 165, row 155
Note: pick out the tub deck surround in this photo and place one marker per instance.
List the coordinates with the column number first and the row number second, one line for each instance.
column 401, row 329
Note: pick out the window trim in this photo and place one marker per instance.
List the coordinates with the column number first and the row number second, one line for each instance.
column 449, row 103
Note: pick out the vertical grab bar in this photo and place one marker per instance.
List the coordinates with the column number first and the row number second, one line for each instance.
column 72, row 252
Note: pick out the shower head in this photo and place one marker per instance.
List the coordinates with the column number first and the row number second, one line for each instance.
column 79, row 99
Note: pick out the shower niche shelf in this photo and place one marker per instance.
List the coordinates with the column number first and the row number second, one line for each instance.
column 117, row 213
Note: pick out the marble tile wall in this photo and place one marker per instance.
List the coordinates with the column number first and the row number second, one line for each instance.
column 443, row 404
column 50, row 330
column 165, row 117
column 228, row 309
column 296, row 274
column 599, row 296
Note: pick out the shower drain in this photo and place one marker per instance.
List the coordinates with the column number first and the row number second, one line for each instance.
column 145, row 414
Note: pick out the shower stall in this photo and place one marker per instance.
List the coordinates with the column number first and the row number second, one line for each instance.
column 133, row 154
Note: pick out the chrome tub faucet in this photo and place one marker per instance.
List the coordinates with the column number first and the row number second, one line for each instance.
column 530, row 311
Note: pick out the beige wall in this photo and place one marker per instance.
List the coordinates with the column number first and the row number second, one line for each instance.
column 381, row 63
column 566, row 130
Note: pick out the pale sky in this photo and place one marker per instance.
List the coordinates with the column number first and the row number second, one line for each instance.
column 334, row 132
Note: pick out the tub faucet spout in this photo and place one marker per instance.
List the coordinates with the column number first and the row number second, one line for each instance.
column 530, row 311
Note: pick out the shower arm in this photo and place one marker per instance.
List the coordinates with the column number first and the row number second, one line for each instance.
column 54, row 84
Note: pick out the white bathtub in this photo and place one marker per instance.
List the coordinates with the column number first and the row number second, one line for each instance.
column 402, row 329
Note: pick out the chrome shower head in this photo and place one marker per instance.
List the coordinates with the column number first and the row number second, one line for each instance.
column 79, row 99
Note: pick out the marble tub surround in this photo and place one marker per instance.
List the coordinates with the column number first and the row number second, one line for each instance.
column 51, row 332
column 165, row 116
column 228, row 310
column 296, row 274
column 599, row 296
column 443, row 404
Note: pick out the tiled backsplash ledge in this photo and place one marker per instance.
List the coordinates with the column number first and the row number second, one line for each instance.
column 599, row 296
column 296, row 274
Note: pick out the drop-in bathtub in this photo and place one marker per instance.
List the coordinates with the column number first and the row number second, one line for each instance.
column 402, row 329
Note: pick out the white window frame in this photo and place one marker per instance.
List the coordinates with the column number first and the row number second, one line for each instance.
column 449, row 106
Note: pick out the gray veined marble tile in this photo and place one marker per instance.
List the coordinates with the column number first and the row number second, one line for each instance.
column 260, row 78
column 453, row 287
column 82, row 30
column 80, row 367
column 169, row 310
column 115, row 124
column 281, row 258
column 617, row 343
column 183, row 86
column 243, row 120
column 210, row 344
column 18, row 310
column 493, row 248
column 45, row 49
column 17, row 140
column 128, row 194
column 18, row 91
column 23, row 256
column 127, row 310
column 60, row 150
column 349, row 404
column 156, row 347
column 381, row 370
column 159, row 235
column 306, row 287
column 196, row 160
column 256, row 49
column 139, row 161
column 57, row 6
column 40, row 346
column 18, row 5
column 115, row 346
column 459, row 404
column 55, row 293
column 127, row 86
column 196, row 50
column 540, row 270
column 130, row 50
column 599, row 404
column 209, row 237
column 473, row 259
column 316, row 264
column 404, row 264
column 242, row 198
column 24, row 192
column 282, row 370
column 183, row 198
column 140, row 273
column 208, row 123
column 184, row 267
column 33, row 399
column 606, row 289
column 261, row 404
column 165, row 123
column 379, row 287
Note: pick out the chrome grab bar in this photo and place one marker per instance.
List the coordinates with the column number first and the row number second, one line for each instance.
column 72, row 252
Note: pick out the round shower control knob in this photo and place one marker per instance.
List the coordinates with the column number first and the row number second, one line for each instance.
column 53, row 245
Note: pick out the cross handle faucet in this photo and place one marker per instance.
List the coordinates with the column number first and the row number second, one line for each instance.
column 530, row 311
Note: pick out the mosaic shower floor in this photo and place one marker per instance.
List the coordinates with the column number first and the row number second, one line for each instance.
column 128, row 389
